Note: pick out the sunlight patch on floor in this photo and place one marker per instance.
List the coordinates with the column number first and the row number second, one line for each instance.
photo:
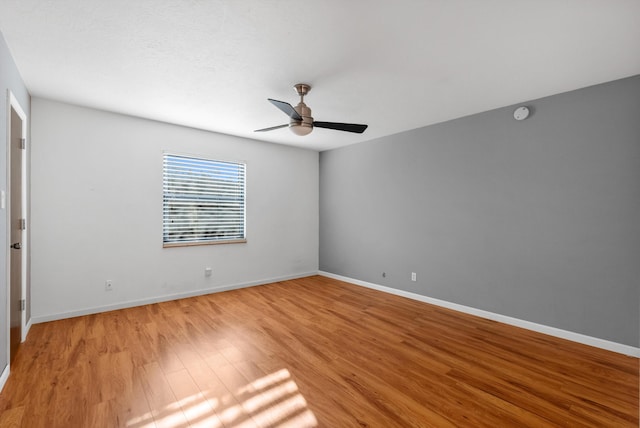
column 142, row 421
column 270, row 401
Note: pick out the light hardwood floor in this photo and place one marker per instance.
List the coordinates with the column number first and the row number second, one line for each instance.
column 310, row 352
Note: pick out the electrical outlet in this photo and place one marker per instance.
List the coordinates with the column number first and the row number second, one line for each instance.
column 208, row 271
column 108, row 285
column 413, row 276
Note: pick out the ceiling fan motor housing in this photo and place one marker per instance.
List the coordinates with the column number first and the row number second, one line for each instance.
column 304, row 126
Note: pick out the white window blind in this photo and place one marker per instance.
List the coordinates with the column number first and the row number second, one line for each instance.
column 203, row 201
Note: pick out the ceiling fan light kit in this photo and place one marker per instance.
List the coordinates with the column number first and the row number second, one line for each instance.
column 301, row 129
column 302, row 122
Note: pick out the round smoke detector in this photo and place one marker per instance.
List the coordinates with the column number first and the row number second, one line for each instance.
column 521, row 113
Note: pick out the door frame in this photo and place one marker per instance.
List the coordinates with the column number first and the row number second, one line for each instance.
column 12, row 103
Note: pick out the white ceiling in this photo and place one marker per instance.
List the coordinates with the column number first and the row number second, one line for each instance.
column 395, row 65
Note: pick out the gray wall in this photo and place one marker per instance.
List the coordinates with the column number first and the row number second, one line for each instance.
column 9, row 80
column 537, row 220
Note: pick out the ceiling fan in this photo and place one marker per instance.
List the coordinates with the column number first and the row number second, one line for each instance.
column 301, row 121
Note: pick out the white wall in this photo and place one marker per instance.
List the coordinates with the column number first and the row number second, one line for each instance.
column 97, row 212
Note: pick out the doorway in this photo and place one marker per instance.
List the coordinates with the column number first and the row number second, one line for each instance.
column 16, row 219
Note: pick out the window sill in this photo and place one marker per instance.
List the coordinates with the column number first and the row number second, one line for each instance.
column 193, row 244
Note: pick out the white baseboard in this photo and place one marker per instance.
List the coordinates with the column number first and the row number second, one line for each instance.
column 26, row 330
column 4, row 376
column 164, row 298
column 540, row 328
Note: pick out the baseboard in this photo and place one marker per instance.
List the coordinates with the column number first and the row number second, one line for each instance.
column 26, row 329
column 4, row 376
column 164, row 298
column 540, row 328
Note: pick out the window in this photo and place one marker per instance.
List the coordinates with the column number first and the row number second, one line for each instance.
column 203, row 201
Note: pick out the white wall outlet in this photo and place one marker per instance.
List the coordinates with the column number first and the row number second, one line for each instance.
column 208, row 271
column 108, row 285
column 413, row 276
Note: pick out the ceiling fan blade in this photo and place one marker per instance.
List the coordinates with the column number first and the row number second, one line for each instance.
column 272, row 128
column 349, row 127
column 286, row 108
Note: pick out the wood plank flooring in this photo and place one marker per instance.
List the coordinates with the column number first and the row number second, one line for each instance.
column 305, row 353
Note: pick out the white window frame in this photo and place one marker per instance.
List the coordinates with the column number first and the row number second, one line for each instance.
column 202, row 199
